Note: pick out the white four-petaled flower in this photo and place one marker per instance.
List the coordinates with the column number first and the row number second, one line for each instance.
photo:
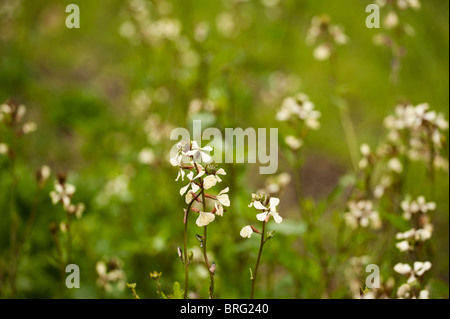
column 271, row 210
column 62, row 193
column 191, row 183
column 198, row 152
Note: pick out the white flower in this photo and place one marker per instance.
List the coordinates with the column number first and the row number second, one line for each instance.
column 190, row 195
column 365, row 149
column 29, row 127
column 246, row 232
column 391, row 20
column 198, row 152
column 395, row 165
column 338, row 35
column 62, row 193
column 43, row 174
column 418, row 270
column 209, row 181
column 419, row 205
column 403, row 245
column 4, row 149
column 300, row 107
column 271, row 210
column 191, row 183
column 402, row 269
column 222, row 199
column 220, row 171
column 77, row 209
column 146, row 156
column 362, row 213
column 293, row 142
column 424, row 294
column 421, row 267
column 404, row 291
column 405, row 4
column 204, row 219
column 322, row 52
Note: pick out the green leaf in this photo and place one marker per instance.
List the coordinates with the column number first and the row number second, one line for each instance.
column 290, row 227
column 177, row 293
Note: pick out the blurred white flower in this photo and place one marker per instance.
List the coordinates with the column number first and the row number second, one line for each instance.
column 299, row 107
column 421, row 267
column 402, row 269
column 29, row 127
column 63, row 194
column 322, row 52
column 146, row 156
column 362, row 213
column 293, row 142
column 4, row 149
column 418, row 270
column 391, row 20
column 403, row 246
column 395, row 165
column 424, row 294
column 404, row 291
column 326, row 36
column 415, row 206
column 201, row 31
column 225, row 24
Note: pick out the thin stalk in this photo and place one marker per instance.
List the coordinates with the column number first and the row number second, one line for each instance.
column 258, row 259
column 186, row 259
column 208, row 265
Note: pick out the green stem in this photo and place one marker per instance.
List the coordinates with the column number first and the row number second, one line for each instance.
column 258, row 259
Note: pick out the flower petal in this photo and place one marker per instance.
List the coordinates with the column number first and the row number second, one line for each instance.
column 246, row 232
column 184, row 189
column 209, row 181
column 204, row 219
column 223, row 199
column 261, row 216
column 258, row 205
column 278, row 219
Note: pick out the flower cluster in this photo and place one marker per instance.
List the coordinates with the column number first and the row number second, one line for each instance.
column 110, row 274
column 325, row 36
column 150, row 29
column 411, row 289
column 412, row 241
column 268, row 206
column 362, row 213
column 302, row 108
column 200, row 178
column 12, row 115
column 416, row 210
column 418, row 132
column 391, row 19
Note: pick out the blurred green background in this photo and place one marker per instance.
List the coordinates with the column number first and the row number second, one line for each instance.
column 100, row 94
